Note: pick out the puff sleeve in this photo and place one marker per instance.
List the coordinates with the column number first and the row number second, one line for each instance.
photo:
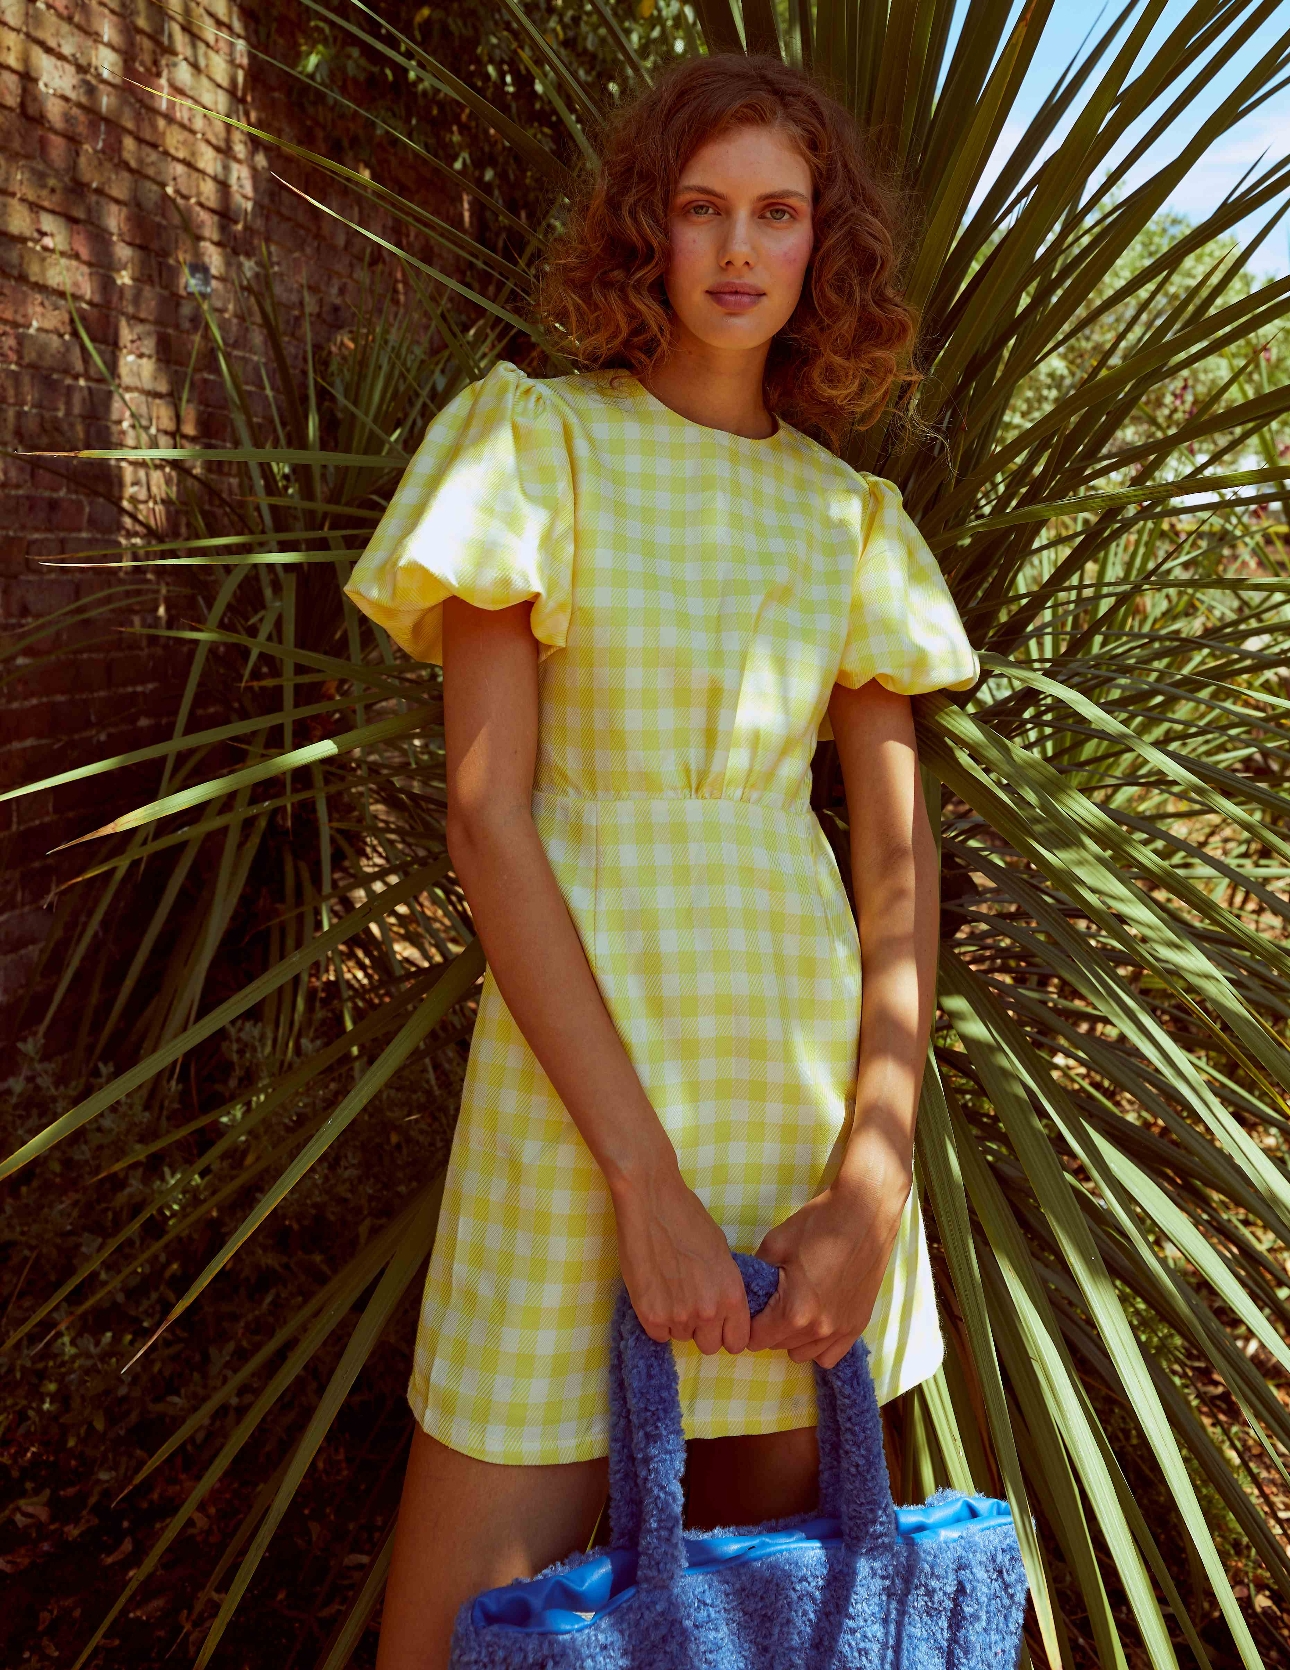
column 484, row 512
column 904, row 629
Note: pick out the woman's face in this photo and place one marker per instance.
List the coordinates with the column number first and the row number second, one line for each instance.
column 741, row 235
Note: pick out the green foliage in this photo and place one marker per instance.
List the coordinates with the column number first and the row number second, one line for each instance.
column 75, row 1429
column 1110, row 310
column 1099, row 458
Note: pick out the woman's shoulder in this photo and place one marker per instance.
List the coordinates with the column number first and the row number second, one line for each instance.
column 592, row 395
column 590, row 398
column 505, row 385
column 504, row 411
column 836, row 475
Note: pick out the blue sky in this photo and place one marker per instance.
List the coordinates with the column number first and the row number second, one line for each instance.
column 1267, row 130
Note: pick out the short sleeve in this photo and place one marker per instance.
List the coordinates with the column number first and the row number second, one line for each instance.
column 903, row 629
column 484, row 512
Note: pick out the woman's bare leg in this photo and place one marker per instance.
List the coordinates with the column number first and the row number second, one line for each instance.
column 742, row 1481
column 466, row 1525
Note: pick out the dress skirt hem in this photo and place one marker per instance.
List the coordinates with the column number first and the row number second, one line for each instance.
column 479, row 1443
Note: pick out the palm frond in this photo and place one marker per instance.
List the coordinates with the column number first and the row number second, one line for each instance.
column 1098, row 454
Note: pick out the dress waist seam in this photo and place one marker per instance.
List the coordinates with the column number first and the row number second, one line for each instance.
column 796, row 808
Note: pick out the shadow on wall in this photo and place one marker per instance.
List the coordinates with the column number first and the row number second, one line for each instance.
column 133, row 205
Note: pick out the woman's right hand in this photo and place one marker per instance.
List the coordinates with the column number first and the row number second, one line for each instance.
column 681, row 1279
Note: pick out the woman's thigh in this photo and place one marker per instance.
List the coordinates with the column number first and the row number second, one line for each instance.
column 748, row 1479
column 466, row 1525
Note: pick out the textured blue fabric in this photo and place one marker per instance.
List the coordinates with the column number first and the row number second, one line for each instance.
column 855, row 1586
column 574, row 1598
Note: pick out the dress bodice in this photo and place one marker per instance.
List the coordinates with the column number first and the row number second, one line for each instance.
column 696, row 593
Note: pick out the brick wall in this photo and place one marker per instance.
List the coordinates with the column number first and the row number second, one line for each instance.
column 106, row 192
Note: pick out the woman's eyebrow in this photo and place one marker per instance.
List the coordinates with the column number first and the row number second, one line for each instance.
column 762, row 197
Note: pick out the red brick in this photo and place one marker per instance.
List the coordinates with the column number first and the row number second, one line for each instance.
column 93, row 148
column 150, row 198
column 101, row 175
column 105, row 138
column 104, row 212
column 17, row 387
column 88, row 243
column 45, row 25
column 59, row 153
column 42, row 596
column 148, row 302
column 144, row 230
column 51, row 515
column 16, row 973
column 85, row 401
column 129, row 108
column 107, row 23
column 19, row 138
column 19, row 929
column 139, row 157
column 31, row 845
column 142, row 372
column 46, row 430
column 72, row 121
column 67, row 9
column 28, row 721
column 102, row 518
column 17, row 219
column 65, row 80
column 50, row 191
column 101, row 288
column 14, row 51
column 17, row 307
column 223, row 75
column 150, row 19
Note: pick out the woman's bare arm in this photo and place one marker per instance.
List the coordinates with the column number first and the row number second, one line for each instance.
column 675, row 1261
column 834, row 1251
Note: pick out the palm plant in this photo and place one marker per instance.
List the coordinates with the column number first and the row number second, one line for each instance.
column 1101, row 1138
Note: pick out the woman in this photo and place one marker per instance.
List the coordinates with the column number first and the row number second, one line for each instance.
column 651, row 592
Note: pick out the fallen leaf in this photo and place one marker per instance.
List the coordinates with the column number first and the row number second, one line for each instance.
column 120, row 1553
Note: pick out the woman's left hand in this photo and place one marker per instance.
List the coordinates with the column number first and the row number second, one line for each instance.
column 832, row 1255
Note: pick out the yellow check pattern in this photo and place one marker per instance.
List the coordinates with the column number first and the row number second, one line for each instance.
column 696, row 595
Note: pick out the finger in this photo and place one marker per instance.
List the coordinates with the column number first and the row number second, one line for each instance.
column 797, row 1323
column 656, row 1326
column 767, row 1326
column 736, row 1327
column 805, row 1332
column 783, row 1330
column 707, row 1336
column 836, row 1350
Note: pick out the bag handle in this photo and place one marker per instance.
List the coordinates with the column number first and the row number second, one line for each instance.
column 647, row 1445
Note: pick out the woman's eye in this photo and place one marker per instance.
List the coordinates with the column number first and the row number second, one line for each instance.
column 780, row 213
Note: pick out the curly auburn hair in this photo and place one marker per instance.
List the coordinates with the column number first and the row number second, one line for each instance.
column 601, row 292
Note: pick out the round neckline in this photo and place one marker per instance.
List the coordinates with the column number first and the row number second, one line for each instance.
column 692, row 423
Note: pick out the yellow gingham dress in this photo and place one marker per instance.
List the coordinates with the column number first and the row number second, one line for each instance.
column 696, row 594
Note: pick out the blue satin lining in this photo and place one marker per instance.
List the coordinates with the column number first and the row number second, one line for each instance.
column 572, row 1600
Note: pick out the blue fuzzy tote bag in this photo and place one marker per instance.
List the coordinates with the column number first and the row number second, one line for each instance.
column 858, row 1585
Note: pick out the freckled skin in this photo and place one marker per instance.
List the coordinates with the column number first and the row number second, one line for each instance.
column 741, row 236
column 741, row 231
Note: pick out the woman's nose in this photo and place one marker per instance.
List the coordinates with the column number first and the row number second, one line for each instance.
column 738, row 246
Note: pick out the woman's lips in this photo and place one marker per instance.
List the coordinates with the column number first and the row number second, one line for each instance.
column 736, row 301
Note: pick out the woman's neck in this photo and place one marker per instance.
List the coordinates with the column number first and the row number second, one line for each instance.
column 719, row 390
